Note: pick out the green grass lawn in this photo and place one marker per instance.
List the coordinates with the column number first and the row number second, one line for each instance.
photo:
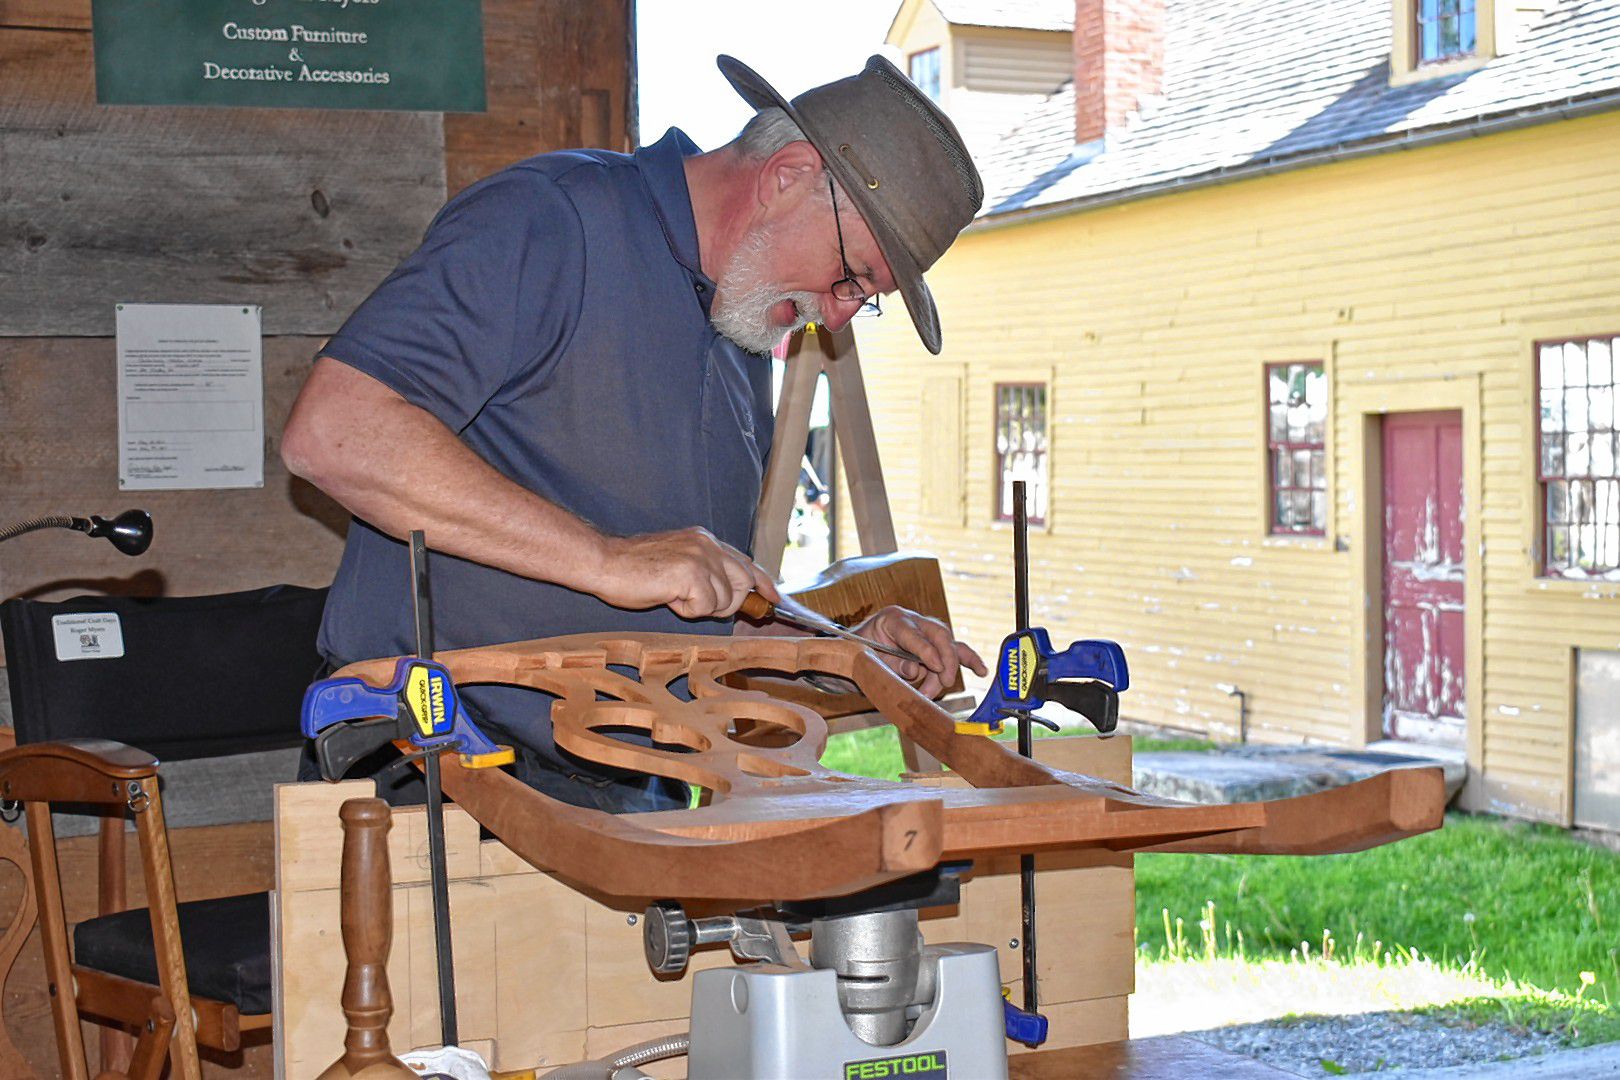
column 876, row 751
column 1527, row 907
column 873, row 751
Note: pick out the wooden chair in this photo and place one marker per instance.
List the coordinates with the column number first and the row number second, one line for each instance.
column 185, row 677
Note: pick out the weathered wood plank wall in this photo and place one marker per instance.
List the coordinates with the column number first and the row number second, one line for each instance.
column 60, row 455
column 301, row 211
column 46, row 14
column 558, row 74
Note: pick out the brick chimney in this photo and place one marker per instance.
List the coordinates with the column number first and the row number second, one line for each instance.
column 1118, row 61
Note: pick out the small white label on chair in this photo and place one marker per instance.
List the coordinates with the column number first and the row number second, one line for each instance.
column 97, row 636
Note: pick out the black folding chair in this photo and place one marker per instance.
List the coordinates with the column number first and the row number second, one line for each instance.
column 101, row 688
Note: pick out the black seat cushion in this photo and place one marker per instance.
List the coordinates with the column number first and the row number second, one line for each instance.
column 226, row 942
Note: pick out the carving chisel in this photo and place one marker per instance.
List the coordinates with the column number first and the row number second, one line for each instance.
column 759, row 609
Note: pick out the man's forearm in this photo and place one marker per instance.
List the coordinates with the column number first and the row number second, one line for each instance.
column 397, row 467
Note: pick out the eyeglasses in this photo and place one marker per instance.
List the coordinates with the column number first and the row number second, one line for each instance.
column 847, row 288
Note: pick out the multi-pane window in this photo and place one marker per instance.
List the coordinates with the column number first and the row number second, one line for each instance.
column 1021, row 448
column 925, row 71
column 1579, row 470
column 1296, row 419
column 1445, row 29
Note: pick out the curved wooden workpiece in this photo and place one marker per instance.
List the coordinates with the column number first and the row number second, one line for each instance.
column 1379, row 810
column 779, row 826
column 616, row 855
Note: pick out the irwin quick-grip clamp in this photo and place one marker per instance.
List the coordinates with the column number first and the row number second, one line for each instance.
column 348, row 718
column 1087, row 677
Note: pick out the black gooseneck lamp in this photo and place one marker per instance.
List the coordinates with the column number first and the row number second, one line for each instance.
column 129, row 532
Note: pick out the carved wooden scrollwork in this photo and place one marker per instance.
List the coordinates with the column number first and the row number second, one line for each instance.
column 782, row 827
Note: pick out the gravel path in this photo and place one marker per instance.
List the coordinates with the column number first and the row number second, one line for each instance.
column 1374, row 1042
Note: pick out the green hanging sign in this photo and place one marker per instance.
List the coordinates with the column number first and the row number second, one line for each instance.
column 301, row 54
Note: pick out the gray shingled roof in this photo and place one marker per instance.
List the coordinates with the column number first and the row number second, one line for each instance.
column 1015, row 14
column 1251, row 83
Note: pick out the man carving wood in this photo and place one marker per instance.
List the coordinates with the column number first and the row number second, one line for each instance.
column 565, row 386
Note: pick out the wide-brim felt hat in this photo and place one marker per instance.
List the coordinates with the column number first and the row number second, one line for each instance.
column 897, row 156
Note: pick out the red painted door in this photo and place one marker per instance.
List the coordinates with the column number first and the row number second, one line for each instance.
column 1423, row 578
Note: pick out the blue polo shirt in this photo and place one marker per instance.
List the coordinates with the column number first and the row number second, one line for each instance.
column 556, row 318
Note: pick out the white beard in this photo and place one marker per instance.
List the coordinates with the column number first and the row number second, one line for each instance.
column 743, row 299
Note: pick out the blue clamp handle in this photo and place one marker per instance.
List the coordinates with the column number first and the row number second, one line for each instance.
column 1029, row 652
column 341, row 701
column 344, row 700
column 1090, row 659
column 421, row 697
column 1023, row 1027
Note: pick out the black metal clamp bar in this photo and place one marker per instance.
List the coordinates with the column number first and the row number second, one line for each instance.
column 1026, row 743
column 439, row 875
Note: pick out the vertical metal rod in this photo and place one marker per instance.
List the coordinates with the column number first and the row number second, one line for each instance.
column 422, row 608
column 1021, row 586
column 832, row 487
column 1026, row 741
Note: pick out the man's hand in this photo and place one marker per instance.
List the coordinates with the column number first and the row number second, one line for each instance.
column 691, row 571
column 929, row 640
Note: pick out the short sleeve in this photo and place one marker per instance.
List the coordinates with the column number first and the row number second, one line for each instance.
column 490, row 298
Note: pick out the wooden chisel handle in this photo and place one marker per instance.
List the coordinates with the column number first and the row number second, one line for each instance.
column 756, row 607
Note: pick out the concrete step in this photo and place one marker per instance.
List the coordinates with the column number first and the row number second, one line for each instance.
column 1257, row 773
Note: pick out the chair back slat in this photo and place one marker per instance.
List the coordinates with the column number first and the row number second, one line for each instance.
column 26, row 777
column 183, row 677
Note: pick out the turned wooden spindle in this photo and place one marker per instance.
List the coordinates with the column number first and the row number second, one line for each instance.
column 368, row 930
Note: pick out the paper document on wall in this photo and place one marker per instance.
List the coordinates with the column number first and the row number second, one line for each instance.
column 190, row 396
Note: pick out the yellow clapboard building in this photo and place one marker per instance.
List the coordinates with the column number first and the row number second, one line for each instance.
column 1301, row 321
